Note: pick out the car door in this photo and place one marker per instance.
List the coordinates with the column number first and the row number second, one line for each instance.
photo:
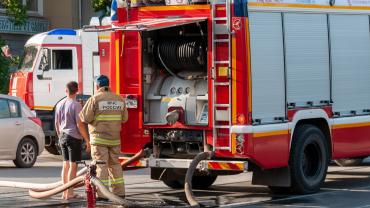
column 57, row 66
column 11, row 127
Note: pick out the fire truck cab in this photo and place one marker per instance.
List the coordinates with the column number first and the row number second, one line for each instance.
column 51, row 60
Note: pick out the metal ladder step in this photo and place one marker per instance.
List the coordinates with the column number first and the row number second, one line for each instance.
column 222, row 41
column 222, row 105
column 223, row 148
column 220, row 18
column 222, row 62
column 222, row 127
column 222, row 83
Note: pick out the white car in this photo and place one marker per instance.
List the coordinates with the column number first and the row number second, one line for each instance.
column 21, row 135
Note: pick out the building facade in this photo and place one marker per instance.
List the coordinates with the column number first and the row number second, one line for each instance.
column 44, row 15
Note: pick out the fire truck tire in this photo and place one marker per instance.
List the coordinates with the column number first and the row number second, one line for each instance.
column 198, row 182
column 203, row 182
column 309, row 159
column 175, row 184
column 27, row 153
column 348, row 162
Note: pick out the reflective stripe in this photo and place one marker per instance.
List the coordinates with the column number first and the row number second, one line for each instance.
column 117, row 181
column 111, row 142
column 113, row 181
column 108, row 118
column 105, row 182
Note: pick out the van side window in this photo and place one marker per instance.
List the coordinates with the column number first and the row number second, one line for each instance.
column 4, row 109
column 14, row 109
column 62, row 60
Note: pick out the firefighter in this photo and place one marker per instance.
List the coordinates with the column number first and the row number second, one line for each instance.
column 104, row 113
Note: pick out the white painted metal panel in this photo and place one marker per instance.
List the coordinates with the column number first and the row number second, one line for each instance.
column 307, row 58
column 267, row 59
column 350, row 51
column 90, row 63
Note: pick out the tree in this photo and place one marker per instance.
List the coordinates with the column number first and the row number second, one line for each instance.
column 102, row 5
column 18, row 14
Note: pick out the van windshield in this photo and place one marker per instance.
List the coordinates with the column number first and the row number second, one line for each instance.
column 28, row 58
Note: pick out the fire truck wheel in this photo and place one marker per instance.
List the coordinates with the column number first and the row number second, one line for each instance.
column 26, row 153
column 198, row 182
column 347, row 162
column 309, row 159
column 175, row 184
column 203, row 182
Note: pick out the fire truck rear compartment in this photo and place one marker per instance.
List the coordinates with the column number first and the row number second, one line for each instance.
column 175, row 87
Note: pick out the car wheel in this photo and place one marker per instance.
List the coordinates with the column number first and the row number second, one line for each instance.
column 308, row 160
column 26, row 153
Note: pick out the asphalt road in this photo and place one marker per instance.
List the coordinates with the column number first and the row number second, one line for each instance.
column 344, row 187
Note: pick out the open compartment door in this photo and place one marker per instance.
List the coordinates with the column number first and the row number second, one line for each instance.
column 156, row 24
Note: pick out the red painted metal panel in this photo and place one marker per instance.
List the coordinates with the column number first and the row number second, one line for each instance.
column 351, row 142
column 271, row 151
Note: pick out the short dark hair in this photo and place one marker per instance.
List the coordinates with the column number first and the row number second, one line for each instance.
column 72, row 87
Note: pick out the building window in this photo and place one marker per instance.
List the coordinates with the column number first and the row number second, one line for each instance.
column 32, row 5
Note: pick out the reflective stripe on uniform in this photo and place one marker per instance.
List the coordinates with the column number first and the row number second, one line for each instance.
column 117, row 181
column 111, row 142
column 108, row 118
column 105, row 182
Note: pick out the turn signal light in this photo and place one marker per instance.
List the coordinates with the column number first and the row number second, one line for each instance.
column 240, row 119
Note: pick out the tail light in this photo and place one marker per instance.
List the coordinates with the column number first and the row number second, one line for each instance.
column 36, row 120
column 29, row 91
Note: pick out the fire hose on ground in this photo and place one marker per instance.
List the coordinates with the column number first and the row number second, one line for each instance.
column 37, row 186
column 189, row 177
column 48, row 186
column 40, row 191
column 79, row 181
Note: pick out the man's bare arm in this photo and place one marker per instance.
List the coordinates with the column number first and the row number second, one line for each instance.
column 83, row 131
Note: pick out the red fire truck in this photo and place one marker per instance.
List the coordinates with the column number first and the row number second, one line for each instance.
column 279, row 88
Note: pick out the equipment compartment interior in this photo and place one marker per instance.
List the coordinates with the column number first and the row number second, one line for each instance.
column 174, row 64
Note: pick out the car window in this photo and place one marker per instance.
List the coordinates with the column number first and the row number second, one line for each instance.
column 4, row 109
column 14, row 109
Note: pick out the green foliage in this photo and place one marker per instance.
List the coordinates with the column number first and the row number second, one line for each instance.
column 4, row 70
column 18, row 14
column 101, row 5
column 15, row 10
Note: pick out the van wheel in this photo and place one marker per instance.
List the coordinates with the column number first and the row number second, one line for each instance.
column 309, row 159
column 53, row 148
column 26, row 153
column 347, row 162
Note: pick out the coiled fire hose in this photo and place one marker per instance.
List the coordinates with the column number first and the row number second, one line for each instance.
column 189, row 177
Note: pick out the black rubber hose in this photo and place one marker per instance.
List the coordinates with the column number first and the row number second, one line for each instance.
column 181, row 54
column 189, row 177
